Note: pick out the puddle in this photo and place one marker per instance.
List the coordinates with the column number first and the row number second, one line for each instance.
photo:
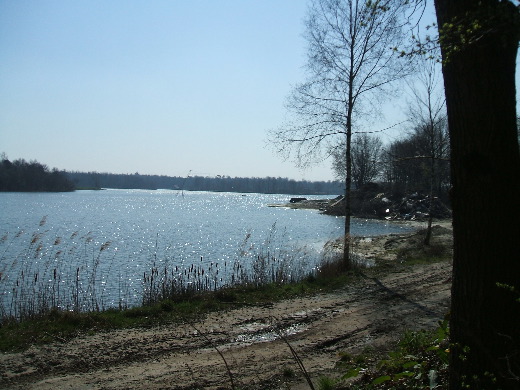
column 363, row 261
column 254, row 326
column 269, row 334
column 260, row 330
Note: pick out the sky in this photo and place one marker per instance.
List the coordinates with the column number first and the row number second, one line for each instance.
column 167, row 87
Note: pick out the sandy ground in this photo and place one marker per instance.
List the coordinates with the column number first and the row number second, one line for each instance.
column 371, row 313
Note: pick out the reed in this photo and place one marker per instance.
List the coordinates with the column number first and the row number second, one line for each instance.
column 70, row 273
column 251, row 266
column 49, row 273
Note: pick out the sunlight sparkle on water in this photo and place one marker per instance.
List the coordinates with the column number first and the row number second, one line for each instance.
column 154, row 229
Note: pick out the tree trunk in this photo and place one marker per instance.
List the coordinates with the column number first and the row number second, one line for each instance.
column 428, row 235
column 485, row 169
column 348, row 159
column 348, row 189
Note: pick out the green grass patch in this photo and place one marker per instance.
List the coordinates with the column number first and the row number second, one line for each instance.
column 418, row 361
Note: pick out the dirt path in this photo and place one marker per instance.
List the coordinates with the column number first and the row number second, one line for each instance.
column 372, row 312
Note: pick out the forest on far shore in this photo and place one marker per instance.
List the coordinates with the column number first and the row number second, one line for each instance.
column 267, row 185
column 23, row 176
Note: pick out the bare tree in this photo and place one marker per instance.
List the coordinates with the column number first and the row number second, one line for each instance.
column 406, row 162
column 428, row 111
column 365, row 153
column 349, row 65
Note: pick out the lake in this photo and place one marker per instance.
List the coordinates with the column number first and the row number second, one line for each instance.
column 99, row 247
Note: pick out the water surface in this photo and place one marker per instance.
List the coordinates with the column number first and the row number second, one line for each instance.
column 120, row 235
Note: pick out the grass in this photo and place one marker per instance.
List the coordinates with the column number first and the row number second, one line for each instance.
column 418, row 361
column 418, row 253
column 45, row 298
column 164, row 301
column 59, row 325
column 40, row 273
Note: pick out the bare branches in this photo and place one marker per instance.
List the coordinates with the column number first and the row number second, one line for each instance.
column 365, row 158
column 380, row 130
column 228, row 369
column 349, row 63
column 280, row 332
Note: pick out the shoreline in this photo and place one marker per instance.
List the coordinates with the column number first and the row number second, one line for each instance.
column 370, row 312
column 414, row 207
column 319, row 204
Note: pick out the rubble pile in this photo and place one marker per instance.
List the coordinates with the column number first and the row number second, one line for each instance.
column 411, row 207
column 417, row 206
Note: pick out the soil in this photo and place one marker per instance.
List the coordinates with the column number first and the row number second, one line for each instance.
column 370, row 314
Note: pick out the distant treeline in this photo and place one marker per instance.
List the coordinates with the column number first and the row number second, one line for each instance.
column 32, row 176
column 275, row 185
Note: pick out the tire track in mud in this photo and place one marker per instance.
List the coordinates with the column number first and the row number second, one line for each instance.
column 372, row 312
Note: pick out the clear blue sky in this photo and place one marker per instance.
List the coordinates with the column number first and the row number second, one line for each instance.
column 155, row 87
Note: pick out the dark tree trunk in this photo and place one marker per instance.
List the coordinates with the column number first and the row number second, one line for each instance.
column 485, row 169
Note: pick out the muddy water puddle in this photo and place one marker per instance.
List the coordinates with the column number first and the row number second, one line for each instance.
column 262, row 330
